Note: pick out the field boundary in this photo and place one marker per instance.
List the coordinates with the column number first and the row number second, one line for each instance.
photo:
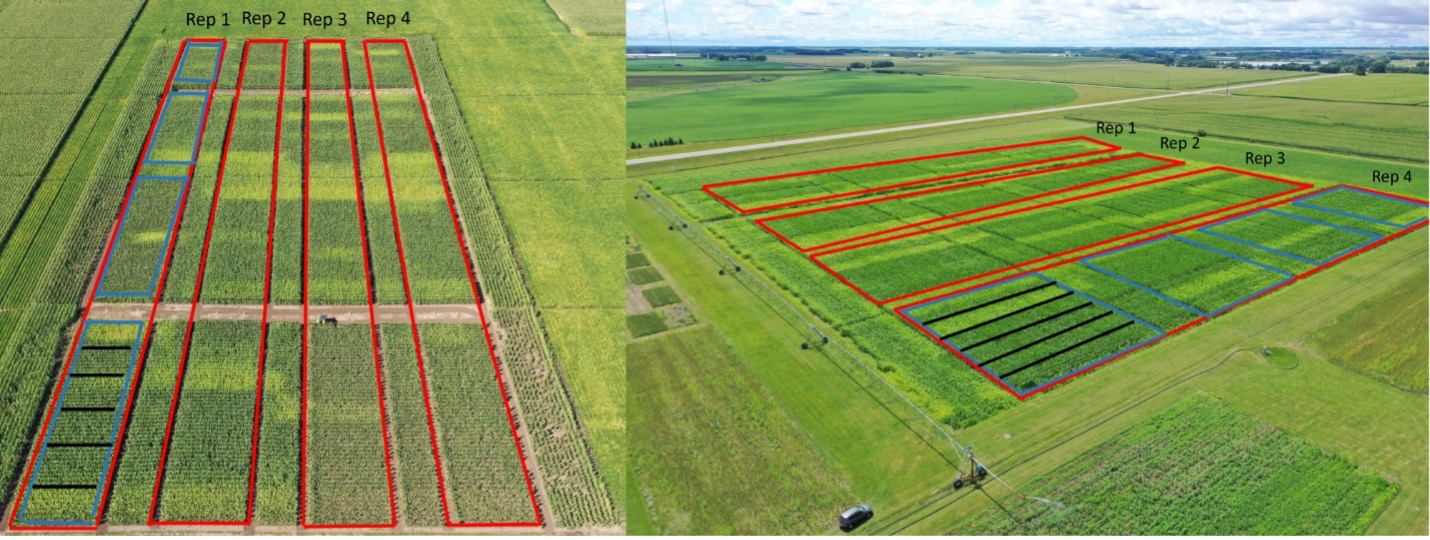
column 902, row 310
column 367, row 282
column 471, row 276
column 710, row 188
column 764, row 222
column 148, row 330
column 1299, row 186
column 153, row 518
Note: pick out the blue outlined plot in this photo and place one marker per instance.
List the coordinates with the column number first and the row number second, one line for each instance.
column 120, row 248
column 1369, row 236
column 1088, row 263
column 159, row 129
column 1306, row 202
column 1288, row 276
column 184, row 60
column 81, row 451
column 1056, row 323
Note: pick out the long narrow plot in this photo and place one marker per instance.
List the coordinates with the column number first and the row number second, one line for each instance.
column 1033, row 330
column 206, row 473
column 66, row 486
column 918, row 262
column 481, row 465
column 830, row 226
column 773, row 192
column 346, row 471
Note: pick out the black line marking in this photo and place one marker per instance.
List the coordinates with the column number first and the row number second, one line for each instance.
column 65, row 486
column 1068, row 348
column 1029, row 325
column 88, row 409
column 106, row 347
column 989, row 303
column 1006, row 315
column 104, row 375
column 80, row 445
column 1044, row 338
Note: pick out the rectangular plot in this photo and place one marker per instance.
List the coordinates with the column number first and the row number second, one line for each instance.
column 145, row 230
column 1366, row 205
column 922, row 261
column 347, row 479
column 1074, row 356
column 199, row 63
column 1298, row 237
column 176, row 138
column 77, row 444
column 205, row 472
column 826, row 227
column 1196, row 277
column 1150, row 308
column 484, row 477
column 238, row 265
column 766, row 193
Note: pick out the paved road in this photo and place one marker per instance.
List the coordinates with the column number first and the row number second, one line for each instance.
column 776, row 144
column 437, row 313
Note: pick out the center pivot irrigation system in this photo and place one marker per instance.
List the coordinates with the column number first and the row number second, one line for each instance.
column 71, row 471
column 1051, row 258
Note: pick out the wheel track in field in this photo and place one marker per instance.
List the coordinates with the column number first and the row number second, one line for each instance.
column 975, row 119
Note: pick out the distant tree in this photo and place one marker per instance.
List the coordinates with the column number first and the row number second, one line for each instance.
column 882, row 64
column 1360, row 70
column 857, row 65
column 680, row 141
column 1421, row 64
column 1378, row 66
column 758, row 58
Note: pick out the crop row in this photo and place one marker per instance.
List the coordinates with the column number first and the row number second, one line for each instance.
column 937, row 205
column 1193, row 275
column 1199, row 467
column 796, row 188
column 913, row 263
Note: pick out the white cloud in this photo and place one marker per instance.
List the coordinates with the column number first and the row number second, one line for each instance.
column 1033, row 22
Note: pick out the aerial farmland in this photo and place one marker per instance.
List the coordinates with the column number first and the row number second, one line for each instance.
column 268, row 281
column 1062, row 300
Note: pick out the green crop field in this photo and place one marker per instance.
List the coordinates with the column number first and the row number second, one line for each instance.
column 1206, row 469
column 1057, row 68
column 63, row 224
column 700, row 64
column 1396, row 88
column 1339, row 351
column 826, row 102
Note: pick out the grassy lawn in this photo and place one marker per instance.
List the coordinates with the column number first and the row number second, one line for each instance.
column 876, row 445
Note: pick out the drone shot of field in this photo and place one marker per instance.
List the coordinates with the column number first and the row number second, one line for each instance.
column 1082, row 289
column 281, row 278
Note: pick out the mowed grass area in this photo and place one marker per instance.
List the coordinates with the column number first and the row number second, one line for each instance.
column 1062, row 69
column 714, row 434
column 837, row 100
column 1207, row 469
column 1394, row 88
column 873, row 443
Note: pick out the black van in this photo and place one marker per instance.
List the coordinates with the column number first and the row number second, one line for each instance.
column 854, row 517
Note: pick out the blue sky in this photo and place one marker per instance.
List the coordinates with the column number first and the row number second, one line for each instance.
column 1031, row 22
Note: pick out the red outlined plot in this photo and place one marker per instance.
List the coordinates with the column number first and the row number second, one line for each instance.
column 103, row 487
column 471, row 277
column 153, row 518
column 712, row 188
column 1298, row 187
column 903, row 309
column 371, row 309
column 765, row 221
